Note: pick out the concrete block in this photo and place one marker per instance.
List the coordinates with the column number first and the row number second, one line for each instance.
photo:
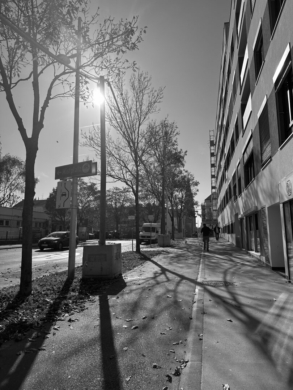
column 101, row 262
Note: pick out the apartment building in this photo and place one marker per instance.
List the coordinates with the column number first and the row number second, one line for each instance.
column 254, row 130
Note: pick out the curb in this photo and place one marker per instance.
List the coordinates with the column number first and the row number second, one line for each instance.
column 192, row 375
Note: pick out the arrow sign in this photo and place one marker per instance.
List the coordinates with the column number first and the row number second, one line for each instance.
column 63, row 196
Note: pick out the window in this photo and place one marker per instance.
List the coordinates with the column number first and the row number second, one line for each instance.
column 264, row 134
column 258, row 52
column 248, row 163
column 232, row 145
column 239, row 179
column 1, row 222
column 285, row 105
column 236, row 131
column 234, row 186
column 275, row 7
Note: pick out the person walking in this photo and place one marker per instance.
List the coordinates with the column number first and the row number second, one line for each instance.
column 206, row 231
column 217, row 230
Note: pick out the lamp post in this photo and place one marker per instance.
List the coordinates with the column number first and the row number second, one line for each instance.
column 102, row 237
column 73, row 217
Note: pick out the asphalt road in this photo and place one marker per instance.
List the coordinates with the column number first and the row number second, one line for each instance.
column 44, row 262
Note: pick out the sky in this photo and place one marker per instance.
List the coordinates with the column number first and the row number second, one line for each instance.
column 181, row 51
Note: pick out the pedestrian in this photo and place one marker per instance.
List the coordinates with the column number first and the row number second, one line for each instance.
column 206, row 231
column 217, row 230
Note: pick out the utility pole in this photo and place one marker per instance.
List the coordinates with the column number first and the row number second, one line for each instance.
column 73, row 217
column 163, row 220
column 103, row 205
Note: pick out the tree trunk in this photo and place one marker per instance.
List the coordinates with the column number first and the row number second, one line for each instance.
column 27, row 219
column 137, row 249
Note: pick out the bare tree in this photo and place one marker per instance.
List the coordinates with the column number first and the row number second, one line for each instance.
column 130, row 119
column 163, row 166
column 52, row 23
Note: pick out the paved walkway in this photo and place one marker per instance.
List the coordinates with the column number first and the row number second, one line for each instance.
column 222, row 310
column 247, row 323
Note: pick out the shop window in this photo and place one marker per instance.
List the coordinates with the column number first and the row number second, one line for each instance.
column 239, row 179
column 248, row 163
column 258, row 52
column 275, row 7
column 264, row 133
column 285, row 105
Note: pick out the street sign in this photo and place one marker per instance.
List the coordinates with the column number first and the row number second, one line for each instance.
column 131, row 217
column 82, row 169
column 63, row 196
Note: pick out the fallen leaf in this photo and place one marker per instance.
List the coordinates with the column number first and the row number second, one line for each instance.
column 128, row 319
column 169, row 296
column 125, row 349
column 172, row 351
column 125, row 326
column 155, row 365
column 144, row 317
column 229, row 319
column 134, row 327
column 176, row 343
column 163, row 333
column 128, row 379
column 177, row 371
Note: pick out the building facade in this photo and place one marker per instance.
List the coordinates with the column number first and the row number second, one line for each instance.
column 254, row 130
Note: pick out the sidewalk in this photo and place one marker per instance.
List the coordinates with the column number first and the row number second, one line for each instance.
column 247, row 322
column 222, row 310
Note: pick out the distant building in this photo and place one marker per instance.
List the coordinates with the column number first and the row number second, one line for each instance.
column 11, row 223
column 208, row 215
column 254, row 131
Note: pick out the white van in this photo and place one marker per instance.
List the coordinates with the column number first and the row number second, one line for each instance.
column 149, row 232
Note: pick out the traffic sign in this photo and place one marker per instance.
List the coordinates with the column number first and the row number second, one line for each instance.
column 131, row 217
column 63, row 196
column 82, row 169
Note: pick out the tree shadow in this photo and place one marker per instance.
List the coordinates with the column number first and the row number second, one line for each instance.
column 16, row 374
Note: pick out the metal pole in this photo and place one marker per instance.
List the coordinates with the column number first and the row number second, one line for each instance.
column 73, row 217
column 163, row 185
column 132, row 237
column 102, row 240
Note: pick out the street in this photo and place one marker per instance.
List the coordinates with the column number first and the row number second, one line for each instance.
column 44, row 262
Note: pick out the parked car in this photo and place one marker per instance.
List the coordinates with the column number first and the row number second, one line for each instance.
column 55, row 240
